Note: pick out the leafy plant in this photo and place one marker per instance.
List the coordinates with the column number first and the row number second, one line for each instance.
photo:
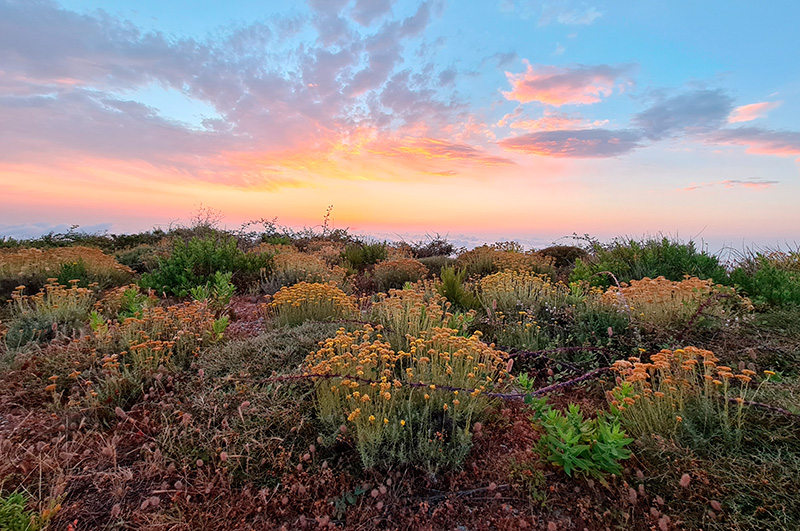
column 362, row 255
column 453, row 288
column 591, row 447
column 216, row 293
column 194, row 263
column 14, row 516
column 772, row 280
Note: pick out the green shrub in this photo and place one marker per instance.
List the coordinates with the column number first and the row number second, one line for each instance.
column 433, row 245
column 591, row 447
column 630, row 259
column 453, row 288
column 363, row 255
column 195, row 262
column 769, row 282
column 217, row 294
column 14, row 515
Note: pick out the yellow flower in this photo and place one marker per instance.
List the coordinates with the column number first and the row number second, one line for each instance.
column 385, row 420
column 372, row 418
column 402, row 423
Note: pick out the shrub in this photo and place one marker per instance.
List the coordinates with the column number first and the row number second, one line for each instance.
column 195, row 262
column 435, row 264
column 125, row 301
column 293, row 267
column 33, row 268
column 488, row 259
column 672, row 305
column 142, row 258
column 511, row 291
column 311, row 302
column 409, row 312
column 454, row 289
column 360, row 256
column 55, row 308
column 591, row 447
column 564, row 256
column 408, row 416
column 680, row 392
column 328, row 251
column 127, row 354
column 630, row 259
column 395, row 273
column 217, row 294
column 433, row 245
column 770, row 280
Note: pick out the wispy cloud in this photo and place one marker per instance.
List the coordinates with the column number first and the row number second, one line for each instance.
column 760, row 141
column 746, row 113
column 576, row 85
column 585, row 143
column 756, row 184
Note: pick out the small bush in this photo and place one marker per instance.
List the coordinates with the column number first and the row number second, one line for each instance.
column 395, row 273
column 195, row 262
column 682, row 392
column 311, row 302
column 142, row 258
column 409, row 312
column 591, row 447
column 770, row 280
column 455, row 290
column 123, row 302
column 55, row 308
column 394, row 422
column 512, row 291
column 217, row 294
column 669, row 305
column 564, row 256
column 293, row 267
column 433, row 245
column 488, row 259
column 435, row 264
column 360, row 256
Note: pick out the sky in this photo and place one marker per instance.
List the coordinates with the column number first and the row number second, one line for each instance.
column 482, row 120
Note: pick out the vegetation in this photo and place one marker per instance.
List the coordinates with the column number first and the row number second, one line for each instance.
column 378, row 385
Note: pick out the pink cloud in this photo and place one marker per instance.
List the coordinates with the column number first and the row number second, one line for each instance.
column 733, row 183
column 551, row 85
column 760, row 141
column 550, row 121
column 746, row 113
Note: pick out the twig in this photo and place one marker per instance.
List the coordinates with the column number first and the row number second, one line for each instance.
column 462, row 493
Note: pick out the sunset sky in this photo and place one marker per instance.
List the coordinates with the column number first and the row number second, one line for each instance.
column 498, row 119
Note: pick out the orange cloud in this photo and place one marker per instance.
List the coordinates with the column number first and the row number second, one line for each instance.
column 551, row 85
column 746, row 113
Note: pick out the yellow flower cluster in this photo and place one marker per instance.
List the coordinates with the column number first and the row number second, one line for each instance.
column 408, row 312
column 667, row 303
column 409, row 390
column 311, row 302
column 43, row 263
column 488, row 259
column 510, row 290
column 54, row 300
column 653, row 397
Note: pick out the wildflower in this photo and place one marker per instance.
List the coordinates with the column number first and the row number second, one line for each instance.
column 372, row 418
column 769, row 373
column 385, row 421
column 402, row 422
